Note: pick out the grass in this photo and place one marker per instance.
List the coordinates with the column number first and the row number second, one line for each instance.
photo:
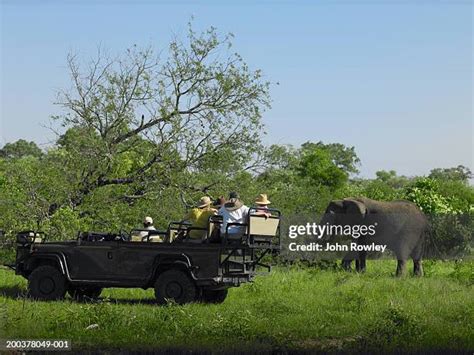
column 290, row 309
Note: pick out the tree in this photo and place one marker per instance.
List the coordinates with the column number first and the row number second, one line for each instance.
column 318, row 166
column 283, row 157
column 147, row 123
column 450, row 212
column 424, row 193
column 459, row 173
column 345, row 158
column 390, row 178
column 20, row 148
column 27, row 187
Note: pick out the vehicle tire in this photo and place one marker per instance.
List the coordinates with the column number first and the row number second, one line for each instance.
column 176, row 286
column 46, row 283
column 84, row 293
column 214, row 296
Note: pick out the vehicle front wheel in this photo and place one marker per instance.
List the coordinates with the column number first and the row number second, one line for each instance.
column 83, row 293
column 214, row 296
column 46, row 283
column 176, row 286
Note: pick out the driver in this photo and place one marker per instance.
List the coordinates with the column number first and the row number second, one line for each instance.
column 147, row 225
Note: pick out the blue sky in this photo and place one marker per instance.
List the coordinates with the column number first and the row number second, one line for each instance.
column 392, row 78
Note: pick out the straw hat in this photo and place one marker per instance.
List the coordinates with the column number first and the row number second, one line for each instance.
column 233, row 204
column 262, row 199
column 204, row 202
column 148, row 220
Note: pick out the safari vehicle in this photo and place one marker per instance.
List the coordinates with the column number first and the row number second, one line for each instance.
column 179, row 269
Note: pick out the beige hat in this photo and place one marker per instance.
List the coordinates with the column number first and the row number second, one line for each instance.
column 204, row 202
column 233, row 204
column 262, row 199
column 148, row 220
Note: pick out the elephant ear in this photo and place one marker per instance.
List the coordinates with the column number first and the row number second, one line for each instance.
column 353, row 206
column 335, row 206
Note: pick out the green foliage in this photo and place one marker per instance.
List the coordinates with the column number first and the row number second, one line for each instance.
column 451, row 235
column 434, row 196
column 463, row 272
column 318, row 167
column 203, row 123
column 391, row 179
column 424, row 193
column 450, row 214
column 19, row 149
column 459, row 194
column 64, row 224
column 379, row 190
column 459, row 173
column 345, row 158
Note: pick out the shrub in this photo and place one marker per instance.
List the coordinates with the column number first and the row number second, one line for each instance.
column 451, row 235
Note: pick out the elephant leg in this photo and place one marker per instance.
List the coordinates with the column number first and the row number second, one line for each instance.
column 346, row 264
column 417, row 267
column 401, row 267
column 360, row 262
column 347, row 260
column 417, row 252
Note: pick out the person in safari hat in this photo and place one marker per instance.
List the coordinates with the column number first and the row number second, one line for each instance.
column 262, row 203
column 199, row 216
column 233, row 211
column 262, row 200
column 147, row 225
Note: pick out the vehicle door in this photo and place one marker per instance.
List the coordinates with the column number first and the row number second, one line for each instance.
column 135, row 260
column 94, row 260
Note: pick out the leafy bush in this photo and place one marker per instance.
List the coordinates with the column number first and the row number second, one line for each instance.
column 450, row 216
column 451, row 235
column 424, row 193
column 463, row 272
column 381, row 191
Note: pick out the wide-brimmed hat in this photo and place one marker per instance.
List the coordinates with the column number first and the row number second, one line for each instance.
column 262, row 199
column 148, row 220
column 204, row 201
column 233, row 204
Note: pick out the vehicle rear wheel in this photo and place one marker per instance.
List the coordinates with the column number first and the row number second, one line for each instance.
column 214, row 296
column 84, row 293
column 175, row 285
column 46, row 283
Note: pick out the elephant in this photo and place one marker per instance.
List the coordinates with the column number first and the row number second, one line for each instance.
column 400, row 225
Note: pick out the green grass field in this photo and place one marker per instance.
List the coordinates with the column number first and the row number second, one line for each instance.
column 291, row 308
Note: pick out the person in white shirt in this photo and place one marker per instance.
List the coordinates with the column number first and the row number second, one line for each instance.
column 233, row 211
column 148, row 225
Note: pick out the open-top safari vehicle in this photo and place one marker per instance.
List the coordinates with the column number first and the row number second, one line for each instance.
column 178, row 268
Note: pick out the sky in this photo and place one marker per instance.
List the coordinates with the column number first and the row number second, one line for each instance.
column 392, row 78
